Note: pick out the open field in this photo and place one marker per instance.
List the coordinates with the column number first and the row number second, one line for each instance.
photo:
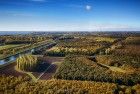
column 5, row 48
column 8, row 46
column 53, row 61
column 86, row 45
column 130, row 46
column 23, row 48
column 132, row 40
column 128, row 50
column 10, row 70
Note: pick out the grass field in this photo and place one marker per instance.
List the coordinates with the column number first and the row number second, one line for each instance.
column 8, row 46
column 107, row 39
column 84, row 46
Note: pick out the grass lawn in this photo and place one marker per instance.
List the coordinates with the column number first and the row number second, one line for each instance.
column 107, row 39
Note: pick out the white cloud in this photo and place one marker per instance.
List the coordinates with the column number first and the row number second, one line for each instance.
column 88, row 7
column 65, row 27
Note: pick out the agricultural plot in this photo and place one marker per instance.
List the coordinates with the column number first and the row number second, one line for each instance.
column 105, row 39
column 10, row 71
column 54, row 63
column 84, row 45
column 132, row 40
column 130, row 46
column 8, row 46
column 6, row 50
column 22, row 48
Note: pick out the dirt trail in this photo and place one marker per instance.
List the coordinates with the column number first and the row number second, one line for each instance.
column 115, row 69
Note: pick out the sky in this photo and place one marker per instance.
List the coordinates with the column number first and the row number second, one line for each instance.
column 69, row 15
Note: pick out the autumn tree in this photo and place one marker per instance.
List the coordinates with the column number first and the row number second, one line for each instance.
column 27, row 62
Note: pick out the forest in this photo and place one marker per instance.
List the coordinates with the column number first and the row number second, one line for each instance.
column 22, row 85
column 81, row 68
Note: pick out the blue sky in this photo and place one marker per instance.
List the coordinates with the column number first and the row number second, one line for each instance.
column 69, row 15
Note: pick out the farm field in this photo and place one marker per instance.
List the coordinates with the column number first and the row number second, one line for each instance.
column 86, row 45
column 5, row 48
column 8, row 46
column 130, row 46
column 10, row 70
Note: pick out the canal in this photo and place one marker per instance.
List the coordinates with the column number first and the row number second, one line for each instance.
column 13, row 58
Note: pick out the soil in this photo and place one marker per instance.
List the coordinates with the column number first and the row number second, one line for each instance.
column 10, row 69
column 49, row 73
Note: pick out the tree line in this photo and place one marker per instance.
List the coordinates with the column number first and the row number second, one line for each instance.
column 27, row 63
column 23, row 85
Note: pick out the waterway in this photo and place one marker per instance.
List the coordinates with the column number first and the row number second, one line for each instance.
column 14, row 57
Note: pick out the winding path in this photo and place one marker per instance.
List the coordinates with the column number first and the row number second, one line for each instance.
column 115, row 69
